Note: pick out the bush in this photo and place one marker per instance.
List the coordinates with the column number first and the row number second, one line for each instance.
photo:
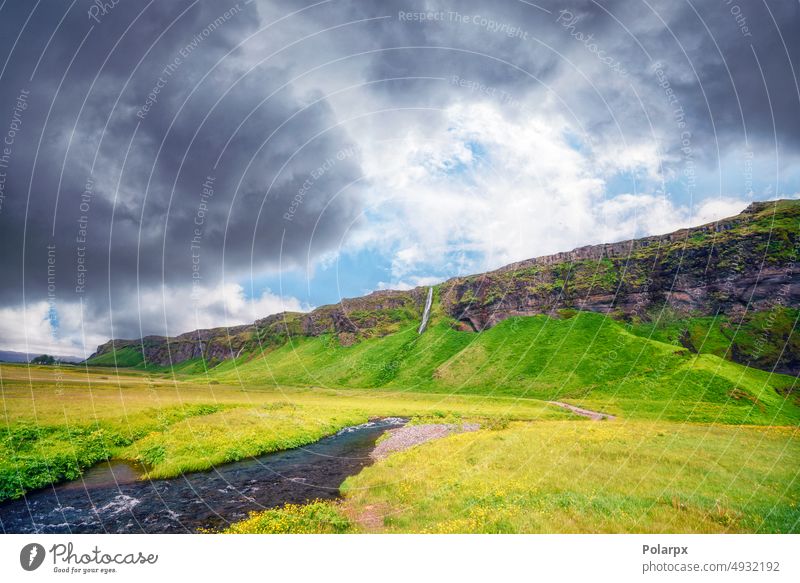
column 152, row 455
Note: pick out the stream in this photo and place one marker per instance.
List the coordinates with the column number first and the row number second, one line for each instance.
column 111, row 498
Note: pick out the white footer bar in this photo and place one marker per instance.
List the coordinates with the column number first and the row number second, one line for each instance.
column 401, row 558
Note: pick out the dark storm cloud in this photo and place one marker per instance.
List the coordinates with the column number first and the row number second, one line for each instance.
column 141, row 178
column 89, row 124
column 711, row 53
column 714, row 55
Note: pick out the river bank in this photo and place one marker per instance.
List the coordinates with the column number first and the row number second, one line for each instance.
column 112, row 497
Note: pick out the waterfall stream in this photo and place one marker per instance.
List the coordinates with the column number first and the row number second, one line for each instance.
column 426, row 314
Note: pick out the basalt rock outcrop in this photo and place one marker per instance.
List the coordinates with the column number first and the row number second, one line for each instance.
column 743, row 263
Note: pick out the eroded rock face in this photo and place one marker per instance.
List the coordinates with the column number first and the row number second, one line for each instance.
column 371, row 315
column 351, row 320
column 214, row 345
column 743, row 263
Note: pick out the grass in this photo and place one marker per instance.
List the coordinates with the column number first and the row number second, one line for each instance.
column 199, row 443
column 317, row 517
column 128, row 356
column 767, row 339
column 34, row 454
column 58, row 421
column 564, row 477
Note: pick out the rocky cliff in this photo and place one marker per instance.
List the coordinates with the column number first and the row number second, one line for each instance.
column 743, row 263
column 737, row 266
column 377, row 314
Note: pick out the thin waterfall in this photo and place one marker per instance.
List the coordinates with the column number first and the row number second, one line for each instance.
column 426, row 314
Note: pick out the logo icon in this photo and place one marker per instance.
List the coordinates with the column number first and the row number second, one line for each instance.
column 31, row 556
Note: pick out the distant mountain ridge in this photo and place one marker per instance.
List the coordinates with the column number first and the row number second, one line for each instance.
column 736, row 267
column 14, row 356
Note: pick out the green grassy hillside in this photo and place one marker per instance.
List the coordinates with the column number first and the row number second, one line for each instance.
column 768, row 339
column 585, row 359
column 128, row 357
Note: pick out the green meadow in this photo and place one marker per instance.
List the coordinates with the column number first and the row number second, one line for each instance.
column 56, row 422
column 593, row 477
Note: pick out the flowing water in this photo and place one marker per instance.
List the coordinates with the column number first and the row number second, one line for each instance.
column 427, row 312
column 111, row 498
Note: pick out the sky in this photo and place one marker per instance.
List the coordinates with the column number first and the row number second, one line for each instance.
column 167, row 166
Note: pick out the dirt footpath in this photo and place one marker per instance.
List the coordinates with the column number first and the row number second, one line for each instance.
column 584, row 412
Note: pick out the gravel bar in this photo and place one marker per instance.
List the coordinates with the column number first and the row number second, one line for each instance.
column 410, row 435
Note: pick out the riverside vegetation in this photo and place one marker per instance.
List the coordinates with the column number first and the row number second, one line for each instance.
column 701, row 374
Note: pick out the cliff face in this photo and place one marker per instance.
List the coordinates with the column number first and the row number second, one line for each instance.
column 745, row 263
column 213, row 345
column 377, row 314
